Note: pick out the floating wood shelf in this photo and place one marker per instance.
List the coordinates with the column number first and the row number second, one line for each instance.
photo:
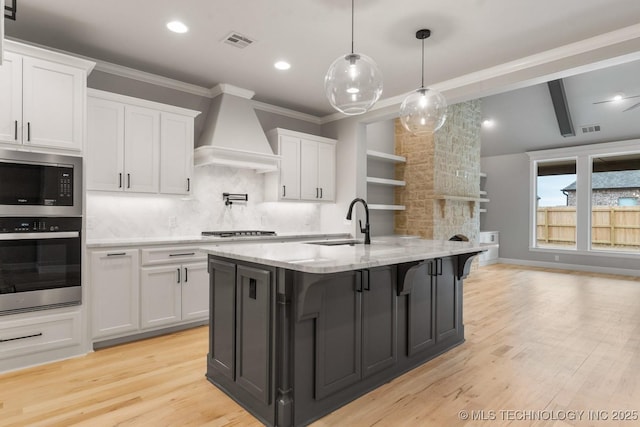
column 385, row 181
column 379, row 155
column 387, row 207
column 442, row 198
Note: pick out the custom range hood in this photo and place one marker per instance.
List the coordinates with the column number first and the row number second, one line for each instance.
column 232, row 134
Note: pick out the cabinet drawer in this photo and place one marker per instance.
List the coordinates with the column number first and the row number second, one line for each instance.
column 41, row 333
column 177, row 255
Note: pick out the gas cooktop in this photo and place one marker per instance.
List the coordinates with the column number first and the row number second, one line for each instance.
column 238, row 233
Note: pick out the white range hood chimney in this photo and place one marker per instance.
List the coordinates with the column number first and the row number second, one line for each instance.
column 232, row 134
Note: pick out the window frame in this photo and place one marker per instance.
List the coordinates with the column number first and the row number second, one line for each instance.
column 584, row 155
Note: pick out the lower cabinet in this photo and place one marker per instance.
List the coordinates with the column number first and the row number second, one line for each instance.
column 138, row 290
column 433, row 304
column 173, row 293
column 355, row 326
column 241, row 325
column 114, row 292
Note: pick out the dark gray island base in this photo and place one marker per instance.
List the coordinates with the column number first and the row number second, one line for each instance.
column 292, row 346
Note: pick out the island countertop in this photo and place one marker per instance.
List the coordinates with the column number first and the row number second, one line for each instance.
column 316, row 258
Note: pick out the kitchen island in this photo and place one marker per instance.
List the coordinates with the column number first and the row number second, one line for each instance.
column 300, row 329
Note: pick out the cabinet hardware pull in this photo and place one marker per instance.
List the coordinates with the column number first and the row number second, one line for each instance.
column 438, row 266
column 284, row 190
column 186, row 275
column 39, row 334
column 178, row 275
column 188, row 184
column 15, row 130
column 117, row 254
column 183, row 254
column 128, row 180
column 120, row 180
column 321, row 193
column 317, row 192
column 28, row 131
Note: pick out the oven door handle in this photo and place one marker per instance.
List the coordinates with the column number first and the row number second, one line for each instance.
column 38, row 236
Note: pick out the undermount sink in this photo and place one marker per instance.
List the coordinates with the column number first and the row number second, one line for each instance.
column 337, row 243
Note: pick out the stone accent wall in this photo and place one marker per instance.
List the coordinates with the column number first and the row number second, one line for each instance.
column 447, row 163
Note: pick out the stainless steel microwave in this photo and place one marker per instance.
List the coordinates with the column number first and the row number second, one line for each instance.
column 37, row 184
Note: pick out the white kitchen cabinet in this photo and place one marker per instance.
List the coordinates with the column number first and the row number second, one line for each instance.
column 138, row 146
column 176, row 153
column 45, row 98
column 141, row 149
column 289, row 149
column 307, row 167
column 114, row 284
column 174, row 286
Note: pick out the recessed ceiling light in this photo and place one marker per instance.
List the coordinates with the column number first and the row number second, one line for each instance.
column 618, row 97
column 282, row 65
column 177, row 27
column 488, row 123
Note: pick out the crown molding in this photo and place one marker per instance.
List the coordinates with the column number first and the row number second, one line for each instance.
column 231, row 90
column 262, row 106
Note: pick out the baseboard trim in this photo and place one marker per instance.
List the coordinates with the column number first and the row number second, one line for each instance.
column 575, row 267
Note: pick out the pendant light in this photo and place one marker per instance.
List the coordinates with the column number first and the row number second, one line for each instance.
column 353, row 82
column 424, row 110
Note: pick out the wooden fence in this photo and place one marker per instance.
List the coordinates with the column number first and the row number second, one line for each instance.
column 613, row 226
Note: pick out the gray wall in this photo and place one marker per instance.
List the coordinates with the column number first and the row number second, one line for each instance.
column 381, row 137
column 508, row 212
column 269, row 120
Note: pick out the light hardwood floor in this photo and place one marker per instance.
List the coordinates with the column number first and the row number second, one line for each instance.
column 540, row 341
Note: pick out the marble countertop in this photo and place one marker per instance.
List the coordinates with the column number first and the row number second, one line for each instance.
column 314, row 258
column 200, row 240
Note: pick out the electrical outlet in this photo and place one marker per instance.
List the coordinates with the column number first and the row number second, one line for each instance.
column 557, row 257
column 173, row 222
column 91, row 222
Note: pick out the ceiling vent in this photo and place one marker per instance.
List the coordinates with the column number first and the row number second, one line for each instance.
column 590, row 128
column 238, row 40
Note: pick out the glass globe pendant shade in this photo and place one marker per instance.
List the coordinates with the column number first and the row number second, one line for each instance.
column 423, row 111
column 353, row 84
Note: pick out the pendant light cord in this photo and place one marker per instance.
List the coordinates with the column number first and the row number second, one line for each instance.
column 422, row 85
column 352, row 21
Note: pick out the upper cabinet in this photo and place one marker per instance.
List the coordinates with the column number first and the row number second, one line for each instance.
column 138, row 146
column 307, row 167
column 42, row 104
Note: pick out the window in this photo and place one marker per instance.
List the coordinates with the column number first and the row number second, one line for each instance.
column 556, row 204
column 615, row 214
column 586, row 199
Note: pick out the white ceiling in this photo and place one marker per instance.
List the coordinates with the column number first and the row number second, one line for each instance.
column 467, row 36
column 525, row 119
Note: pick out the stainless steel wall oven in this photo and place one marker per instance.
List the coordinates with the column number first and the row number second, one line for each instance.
column 40, row 231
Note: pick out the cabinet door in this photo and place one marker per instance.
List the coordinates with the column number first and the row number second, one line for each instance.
column 420, row 321
column 253, row 331
column 327, row 171
column 379, row 313
column 105, row 145
column 11, row 98
column 447, row 295
column 141, row 149
column 53, row 104
column 309, row 189
column 339, row 333
column 160, row 295
column 222, row 323
column 195, row 291
column 289, row 168
column 114, row 292
column 176, row 153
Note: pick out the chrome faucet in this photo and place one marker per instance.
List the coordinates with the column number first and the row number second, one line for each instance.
column 365, row 230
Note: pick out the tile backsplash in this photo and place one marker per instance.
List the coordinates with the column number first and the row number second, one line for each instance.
column 114, row 215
